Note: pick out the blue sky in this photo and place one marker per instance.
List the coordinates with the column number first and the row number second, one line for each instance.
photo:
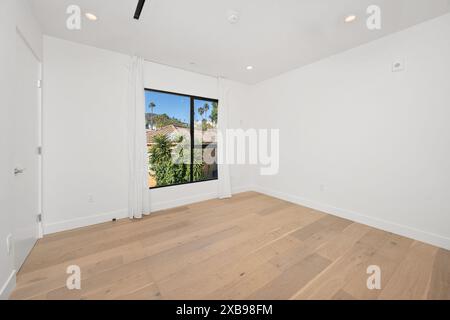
column 171, row 104
column 174, row 105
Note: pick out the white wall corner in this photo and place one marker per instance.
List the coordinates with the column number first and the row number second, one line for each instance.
column 8, row 286
column 242, row 189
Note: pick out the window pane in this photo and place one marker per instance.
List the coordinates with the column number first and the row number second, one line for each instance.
column 168, row 138
column 205, row 140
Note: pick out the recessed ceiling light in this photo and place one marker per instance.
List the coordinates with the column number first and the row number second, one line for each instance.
column 350, row 18
column 249, row 67
column 91, row 16
column 233, row 16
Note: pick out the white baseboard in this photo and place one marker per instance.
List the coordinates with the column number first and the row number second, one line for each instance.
column 8, row 286
column 54, row 227
column 182, row 201
column 406, row 231
column 190, row 200
column 83, row 222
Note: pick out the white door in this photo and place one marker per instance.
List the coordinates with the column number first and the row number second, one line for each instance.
column 26, row 157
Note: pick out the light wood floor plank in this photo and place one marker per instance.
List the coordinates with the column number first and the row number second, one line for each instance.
column 440, row 279
column 412, row 278
column 251, row 246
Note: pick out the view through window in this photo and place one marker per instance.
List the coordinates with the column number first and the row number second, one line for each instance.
column 181, row 138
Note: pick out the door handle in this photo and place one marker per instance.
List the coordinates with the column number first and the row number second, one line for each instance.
column 18, row 171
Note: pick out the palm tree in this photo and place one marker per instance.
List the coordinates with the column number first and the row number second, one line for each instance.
column 201, row 112
column 204, row 111
column 152, row 106
column 161, row 160
column 206, row 108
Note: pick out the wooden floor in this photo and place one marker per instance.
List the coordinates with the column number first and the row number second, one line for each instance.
column 249, row 247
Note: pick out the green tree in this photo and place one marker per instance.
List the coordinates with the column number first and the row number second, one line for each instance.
column 161, row 160
column 214, row 113
column 152, row 106
column 205, row 125
column 167, row 170
column 206, row 108
column 201, row 111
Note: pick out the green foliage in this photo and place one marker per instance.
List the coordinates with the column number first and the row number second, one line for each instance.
column 161, row 160
column 163, row 120
column 167, row 170
column 214, row 113
column 201, row 111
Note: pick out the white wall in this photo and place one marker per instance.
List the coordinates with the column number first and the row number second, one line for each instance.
column 85, row 152
column 84, row 133
column 29, row 27
column 13, row 14
column 362, row 142
column 7, row 43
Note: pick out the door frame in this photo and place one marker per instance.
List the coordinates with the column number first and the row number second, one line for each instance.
column 39, row 147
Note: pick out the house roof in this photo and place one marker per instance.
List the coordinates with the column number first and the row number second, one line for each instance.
column 208, row 136
column 167, row 130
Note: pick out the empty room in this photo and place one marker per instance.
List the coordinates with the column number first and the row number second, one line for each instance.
column 212, row 150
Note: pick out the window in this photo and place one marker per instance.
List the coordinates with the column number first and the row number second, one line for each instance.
column 181, row 138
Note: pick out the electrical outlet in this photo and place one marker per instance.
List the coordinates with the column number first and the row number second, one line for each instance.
column 9, row 244
column 90, row 198
column 322, row 188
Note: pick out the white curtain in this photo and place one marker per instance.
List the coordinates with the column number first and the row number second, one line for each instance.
column 138, row 189
column 224, row 185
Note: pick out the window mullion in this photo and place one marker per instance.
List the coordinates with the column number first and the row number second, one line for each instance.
column 192, row 140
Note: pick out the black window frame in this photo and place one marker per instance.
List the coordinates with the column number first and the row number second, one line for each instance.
column 192, row 121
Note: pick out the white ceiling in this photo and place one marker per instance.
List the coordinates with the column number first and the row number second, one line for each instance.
column 274, row 36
